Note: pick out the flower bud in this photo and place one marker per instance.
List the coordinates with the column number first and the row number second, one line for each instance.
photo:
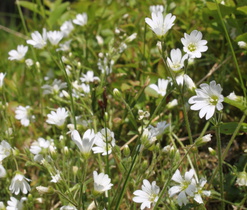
column 44, row 190
column 211, row 151
column 126, row 150
column 242, row 179
column 116, row 93
column 75, row 170
column 203, row 140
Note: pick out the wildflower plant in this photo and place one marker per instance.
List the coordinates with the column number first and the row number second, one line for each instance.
column 113, row 105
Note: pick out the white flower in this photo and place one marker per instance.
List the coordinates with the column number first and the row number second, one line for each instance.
column 104, row 141
column 199, row 191
column 207, row 138
column 2, row 75
column 242, row 44
column 23, row 114
column 18, row 54
column 187, row 186
column 160, row 24
column 177, row 61
column 207, row 99
column 29, row 62
column 242, row 179
column 160, row 128
column 188, row 81
column 57, row 118
column 5, row 150
column 89, row 77
column 2, row 171
column 39, row 147
column 81, row 19
column 85, row 144
column 55, row 88
column 64, row 46
column 14, row 204
column 193, row 44
column 66, row 28
column 54, row 37
column 19, row 183
column 102, row 182
column 2, row 206
column 156, row 90
column 148, row 195
column 105, row 65
column 68, row 208
column 56, row 178
column 38, row 41
column 156, row 8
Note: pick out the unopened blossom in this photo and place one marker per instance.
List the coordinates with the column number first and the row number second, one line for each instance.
column 2, row 206
column 158, row 90
column 199, row 192
column 186, row 187
column 148, row 195
column 14, row 204
column 19, row 184
column 2, row 75
column 242, row 179
column 38, row 41
column 68, row 208
column 86, row 142
column 5, row 150
column 29, row 62
column 24, row 115
column 102, row 182
column 242, row 44
column 57, row 117
column 207, row 99
column 104, row 141
column 172, row 103
column 54, row 37
column 89, row 77
column 193, row 44
column 156, row 8
column 39, row 147
column 184, row 78
column 66, row 28
column 18, row 54
column 81, row 19
column 176, row 62
column 143, row 114
column 2, row 171
column 160, row 24
column 55, row 88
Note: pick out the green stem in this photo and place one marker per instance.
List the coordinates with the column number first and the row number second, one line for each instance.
column 127, row 178
column 220, row 159
column 231, row 48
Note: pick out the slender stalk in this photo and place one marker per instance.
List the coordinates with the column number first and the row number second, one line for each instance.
column 22, row 17
column 127, row 178
column 232, row 50
column 220, row 159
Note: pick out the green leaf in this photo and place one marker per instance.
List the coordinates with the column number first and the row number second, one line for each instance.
column 57, row 13
column 229, row 128
column 29, row 5
column 243, row 9
column 242, row 37
column 237, row 104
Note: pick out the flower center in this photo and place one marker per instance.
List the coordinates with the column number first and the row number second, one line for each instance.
column 176, row 65
column 214, row 100
column 192, row 47
column 152, row 197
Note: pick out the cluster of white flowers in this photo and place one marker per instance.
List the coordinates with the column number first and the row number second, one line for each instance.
column 188, row 187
